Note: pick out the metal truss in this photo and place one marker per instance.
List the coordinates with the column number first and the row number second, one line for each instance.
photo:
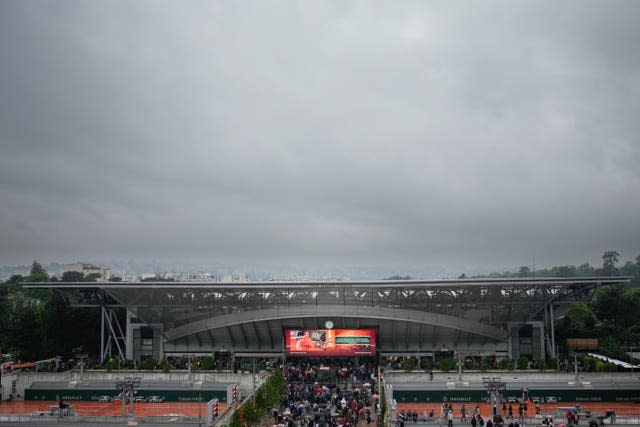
column 252, row 315
column 113, row 335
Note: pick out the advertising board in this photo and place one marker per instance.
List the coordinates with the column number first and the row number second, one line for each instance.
column 330, row 342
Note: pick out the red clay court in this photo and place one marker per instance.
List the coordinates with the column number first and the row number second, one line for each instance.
column 191, row 409
column 111, row 409
column 621, row 409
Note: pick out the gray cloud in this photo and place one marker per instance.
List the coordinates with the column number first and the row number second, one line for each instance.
column 338, row 133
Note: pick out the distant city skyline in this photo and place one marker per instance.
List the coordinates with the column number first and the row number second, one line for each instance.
column 131, row 270
column 337, row 137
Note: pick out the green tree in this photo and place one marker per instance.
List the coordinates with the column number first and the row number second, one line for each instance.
column 566, row 271
column 610, row 346
column 24, row 338
column 237, row 420
column 15, row 279
column 585, row 270
column 4, row 315
column 578, row 322
column 607, row 307
column 38, row 273
column 252, row 413
column 524, row 271
column 609, row 261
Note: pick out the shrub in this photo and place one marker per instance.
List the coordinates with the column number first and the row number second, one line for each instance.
column 523, row 363
column 448, row 364
column 485, row 364
column 409, row 364
column 207, row 363
column 426, row 363
column 590, row 364
column 112, row 363
column 507, row 364
column 149, row 364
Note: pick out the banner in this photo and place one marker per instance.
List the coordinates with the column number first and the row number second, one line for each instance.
column 330, row 342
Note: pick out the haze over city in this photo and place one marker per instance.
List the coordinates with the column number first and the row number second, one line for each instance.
column 421, row 138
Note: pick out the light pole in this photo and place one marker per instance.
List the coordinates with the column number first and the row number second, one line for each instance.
column 494, row 388
column 127, row 385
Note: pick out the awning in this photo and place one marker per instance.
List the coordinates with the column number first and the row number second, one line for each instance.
column 614, row 361
column 25, row 365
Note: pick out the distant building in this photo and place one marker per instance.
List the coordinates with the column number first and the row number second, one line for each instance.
column 102, row 274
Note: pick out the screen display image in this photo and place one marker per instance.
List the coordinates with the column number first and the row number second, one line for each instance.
column 330, row 342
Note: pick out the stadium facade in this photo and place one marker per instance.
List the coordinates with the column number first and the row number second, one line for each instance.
column 501, row 317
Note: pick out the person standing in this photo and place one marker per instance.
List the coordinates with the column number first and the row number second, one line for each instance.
column 474, row 421
column 463, row 413
column 450, row 418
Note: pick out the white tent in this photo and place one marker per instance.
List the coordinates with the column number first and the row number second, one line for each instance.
column 614, row 361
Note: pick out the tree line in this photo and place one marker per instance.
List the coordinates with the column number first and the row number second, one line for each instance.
column 38, row 324
column 610, row 267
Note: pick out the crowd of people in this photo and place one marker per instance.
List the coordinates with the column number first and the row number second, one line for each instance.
column 513, row 416
column 327, row 393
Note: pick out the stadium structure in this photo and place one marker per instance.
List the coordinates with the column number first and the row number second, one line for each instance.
column 499, row 317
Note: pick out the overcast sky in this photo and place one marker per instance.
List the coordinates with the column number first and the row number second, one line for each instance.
column 343, row 133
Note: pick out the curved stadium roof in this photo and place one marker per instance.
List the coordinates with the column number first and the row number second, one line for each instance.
column 409, row 315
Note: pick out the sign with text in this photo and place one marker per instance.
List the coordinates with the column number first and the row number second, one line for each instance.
column 330, row 342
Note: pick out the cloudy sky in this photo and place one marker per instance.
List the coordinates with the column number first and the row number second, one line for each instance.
column 339, row 133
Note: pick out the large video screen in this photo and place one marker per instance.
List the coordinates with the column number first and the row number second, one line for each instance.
column 330, row 342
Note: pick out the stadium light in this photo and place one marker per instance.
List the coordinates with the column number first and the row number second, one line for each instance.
column 126, row 386
column 495, row 387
